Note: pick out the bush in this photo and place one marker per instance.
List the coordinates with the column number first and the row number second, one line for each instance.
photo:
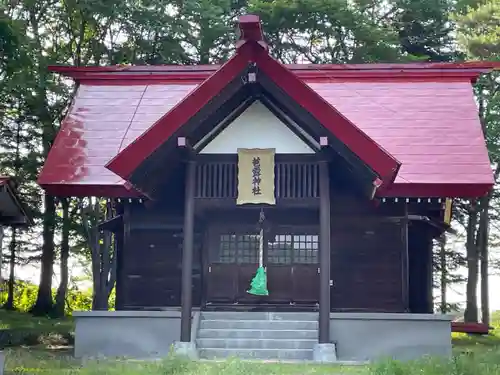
column 25, row 294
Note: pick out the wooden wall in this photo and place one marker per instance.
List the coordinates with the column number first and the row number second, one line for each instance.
column 420, row 247
column 366, row 259
column 150, row 262
column 367, row 263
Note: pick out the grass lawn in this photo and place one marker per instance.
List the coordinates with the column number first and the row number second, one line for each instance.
column 45, row 348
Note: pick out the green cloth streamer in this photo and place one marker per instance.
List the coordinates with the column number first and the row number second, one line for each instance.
column 258, row 286
column 259, row 283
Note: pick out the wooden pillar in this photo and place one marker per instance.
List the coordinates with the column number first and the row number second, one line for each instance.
column 405, row 266
column 187, row 253
column 119, row 242
column 420, row 268
column 429, row 306
column 324, row 253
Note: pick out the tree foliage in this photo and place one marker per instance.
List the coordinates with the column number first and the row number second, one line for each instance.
column 478, row 36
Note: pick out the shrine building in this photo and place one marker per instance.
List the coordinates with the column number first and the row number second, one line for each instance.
column 331, row 180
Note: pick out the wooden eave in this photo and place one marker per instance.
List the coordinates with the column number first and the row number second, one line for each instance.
column 21, row 218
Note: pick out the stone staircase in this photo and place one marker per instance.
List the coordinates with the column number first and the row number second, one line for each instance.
column 257, row 335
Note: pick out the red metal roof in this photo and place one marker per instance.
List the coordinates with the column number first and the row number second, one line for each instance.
column 199, row 73
column 421, row 115
column 431, row 126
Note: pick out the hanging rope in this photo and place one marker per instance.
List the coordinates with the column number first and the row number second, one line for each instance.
column 262, row 217
column 258, row 285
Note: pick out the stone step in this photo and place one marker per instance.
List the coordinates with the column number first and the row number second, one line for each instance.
column 284, row 344
column 245, row 315
column 259, row 324
column 270, row 354
column 251, row 334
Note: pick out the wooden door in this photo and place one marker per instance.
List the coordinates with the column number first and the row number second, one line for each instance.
column 292, row 265
column 290, row 258
column 233, row 257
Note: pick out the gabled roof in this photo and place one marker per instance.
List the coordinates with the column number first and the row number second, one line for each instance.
column 423, row 114
column 250, row 52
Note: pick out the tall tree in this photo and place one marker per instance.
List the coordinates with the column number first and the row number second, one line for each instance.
column 62, row 289
column 327, row 31
column 424, row 28
column 478, row 33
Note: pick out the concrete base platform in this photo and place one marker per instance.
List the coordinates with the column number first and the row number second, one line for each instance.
column 130, row 334
column 358, row 337
column 186, row 349
column 373, row 336
column 2, row 361
column 325, row 353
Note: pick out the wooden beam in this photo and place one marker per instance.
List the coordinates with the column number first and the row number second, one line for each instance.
column 376, row 184
column 112, row 225
column 324, row 253
column 448, row 206
column 123, row 242
column 187, row 253
column 250, row 29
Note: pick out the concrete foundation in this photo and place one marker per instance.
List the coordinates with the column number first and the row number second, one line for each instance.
column 355, row 337
column 186, row 349
column 2, row 361
column 132, row 334
column 324, row 353
column 372, row 336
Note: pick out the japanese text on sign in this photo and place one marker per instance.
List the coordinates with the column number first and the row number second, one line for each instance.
column 256, row 176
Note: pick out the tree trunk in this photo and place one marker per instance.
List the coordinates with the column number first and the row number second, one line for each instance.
column 444, row 275
column 102, row 254
column 1, row 252
column 471, row 313
column 44, row 302
column 9, row 305
column 484, row 223
column 63, row 285
column 107, row 268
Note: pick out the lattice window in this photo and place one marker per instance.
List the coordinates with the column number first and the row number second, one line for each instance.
column 239, row 248
column 306, row 249
column 293, row 180
column 280, row 249
column 227, row 249
column 292, row 248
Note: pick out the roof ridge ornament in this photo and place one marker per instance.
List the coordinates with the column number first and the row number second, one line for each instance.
column 250, row 30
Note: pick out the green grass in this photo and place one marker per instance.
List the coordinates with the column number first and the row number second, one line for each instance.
column 17, row 320
column 52, row 354
column 467, row 343
column 38, row 361
column 22, row 329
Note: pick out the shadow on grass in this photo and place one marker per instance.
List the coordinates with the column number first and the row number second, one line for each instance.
column 22, row 329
